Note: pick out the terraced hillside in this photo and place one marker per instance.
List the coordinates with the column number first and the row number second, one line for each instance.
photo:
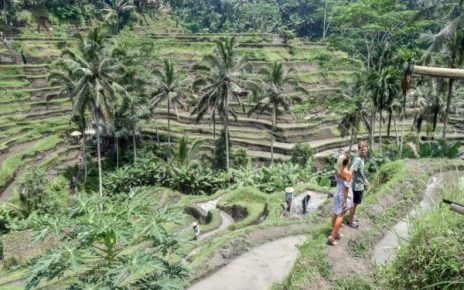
column 31, row 109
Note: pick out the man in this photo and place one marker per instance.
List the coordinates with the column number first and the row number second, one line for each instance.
column 359, row 181
column 73, row 184
column 196, row 231
column 305, row 201
column 289, row 197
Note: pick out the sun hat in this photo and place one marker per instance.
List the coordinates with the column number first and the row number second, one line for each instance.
column 194, row 224
column 290, row 190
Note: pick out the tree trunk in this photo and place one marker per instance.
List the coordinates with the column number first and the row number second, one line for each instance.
column 134, row 143
column 116, row 145
column 100, row 181
column 380, row 130
column 274, row 121
column 448, row 105
column 435, row 120
column 156, row 127
column 402, row 122
column 372, row 128
column 396, row 132
column 84, row 159
column 351, row 140
column 226, row 127
column 214, row 131
column 390, row 111
column 169, row 121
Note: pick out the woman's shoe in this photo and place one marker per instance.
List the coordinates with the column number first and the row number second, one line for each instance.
column 331, row 241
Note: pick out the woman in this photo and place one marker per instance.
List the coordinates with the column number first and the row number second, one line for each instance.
column 343, row 197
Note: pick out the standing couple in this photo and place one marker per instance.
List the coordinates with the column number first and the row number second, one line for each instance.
column 350, row 186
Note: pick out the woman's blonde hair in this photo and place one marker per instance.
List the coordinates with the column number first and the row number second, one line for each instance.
column 342, row 162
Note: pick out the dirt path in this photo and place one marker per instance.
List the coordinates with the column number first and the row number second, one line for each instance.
column 353, row 265
column 227, row 220
column 385, row 249
column 257, row 269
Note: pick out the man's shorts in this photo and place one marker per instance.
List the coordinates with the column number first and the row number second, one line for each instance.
column 357, row 196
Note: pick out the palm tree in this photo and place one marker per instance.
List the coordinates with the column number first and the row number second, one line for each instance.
column 171, row 88
column 279, row 89
column 94, row 89
column 450, row 37
column 222, row 81
column 406, row 59
column 383, row 88
column 62, row 75
column 185, row 153
column 118, row 9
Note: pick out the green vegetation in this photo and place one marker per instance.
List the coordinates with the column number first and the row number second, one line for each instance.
column 432, row 258
column 311, row 69
column 10, row 165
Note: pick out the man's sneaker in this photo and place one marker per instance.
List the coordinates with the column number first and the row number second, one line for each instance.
column 353, row 224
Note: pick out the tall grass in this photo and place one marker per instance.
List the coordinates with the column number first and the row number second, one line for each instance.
column 434, row 256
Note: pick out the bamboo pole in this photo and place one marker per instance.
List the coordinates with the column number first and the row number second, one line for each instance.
column 439, row 72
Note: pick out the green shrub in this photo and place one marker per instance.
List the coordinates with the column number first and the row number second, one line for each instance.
column 32, row 193
column 10, row 263
column 301, row 153
column 240, row 158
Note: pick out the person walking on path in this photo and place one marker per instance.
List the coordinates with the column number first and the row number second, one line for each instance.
column 196, row 230
column 305, row 202
column 359, row 182
column 288, row 197
column 342, row 198
column 73, row 185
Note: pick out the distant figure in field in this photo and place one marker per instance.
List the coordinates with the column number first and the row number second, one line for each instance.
column 288, row 197
column 342, row 198
column 359, row 182
column 305, row 202
column 73, row 184
column 196, row 230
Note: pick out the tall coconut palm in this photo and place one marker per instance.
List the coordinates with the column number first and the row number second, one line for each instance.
column 406, row 59
column 117, row 10
column 450, row 38
column 279, row 89
column 383, row 87
column 94, row 89
column 223, row 81
column 172, row 87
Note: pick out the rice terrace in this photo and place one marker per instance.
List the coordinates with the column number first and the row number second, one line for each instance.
column 232, row 144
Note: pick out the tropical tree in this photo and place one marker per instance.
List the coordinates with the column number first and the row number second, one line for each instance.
column 62, row 76
column 172, row 87
column 406, row 60
column 352, row 120
column 185, row 152
column 222, row 81
column 119, row 10
column 94, row 90
column 279, row 89
column 382, row 87
column 450, row 38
